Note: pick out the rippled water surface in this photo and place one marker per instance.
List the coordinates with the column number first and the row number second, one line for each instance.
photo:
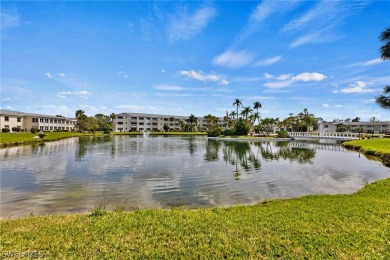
column 79, row 174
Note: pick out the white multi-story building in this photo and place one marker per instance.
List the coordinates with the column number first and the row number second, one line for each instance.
column 26, row 121
column 127, row 122
column 377, row 127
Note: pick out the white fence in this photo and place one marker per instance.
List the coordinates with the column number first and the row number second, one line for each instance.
column 325, row 135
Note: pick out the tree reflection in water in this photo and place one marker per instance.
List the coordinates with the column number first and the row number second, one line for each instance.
column 245, row 158
column 86, row 143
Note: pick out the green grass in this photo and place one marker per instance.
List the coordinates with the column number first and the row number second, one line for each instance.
column 375, row 147
column 353, row 226
column 7, row 139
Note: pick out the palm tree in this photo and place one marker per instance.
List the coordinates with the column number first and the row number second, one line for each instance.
column 192, row 120
column 237, row 102
column 233, row 114
column 256, row 106
column 246, row 111
column 171, row 119
column 385, row 49
column 112, row 116
column 383, row 100
column 80, row 117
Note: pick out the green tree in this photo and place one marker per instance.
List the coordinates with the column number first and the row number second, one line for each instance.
column 246, row 111
column 81, row 119
column 384, row 99
column 233, row 114
column 237, row 102
column 192, row 120
column 171, row 120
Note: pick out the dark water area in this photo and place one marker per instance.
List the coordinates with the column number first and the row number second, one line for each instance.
column 79, row 174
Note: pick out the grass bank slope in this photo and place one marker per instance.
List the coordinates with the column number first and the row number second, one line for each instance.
column 376, row 147
column 353, row 226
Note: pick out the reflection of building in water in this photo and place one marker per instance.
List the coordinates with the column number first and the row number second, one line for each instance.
column 317, row 146
column 10, row 119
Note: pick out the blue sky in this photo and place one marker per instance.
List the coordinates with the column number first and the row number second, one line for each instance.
column 194, row 57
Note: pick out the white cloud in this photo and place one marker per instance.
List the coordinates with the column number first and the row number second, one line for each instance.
column 325, row 105
column 269, row 61
column 278, row 84
column 122, row 74
column 248, row 79
column 284, row 77
column 223, row 82
column 203, row 77
column 48, row 75
column 62, row 75
column 81, row 94
column 365, row 63
column 185, row 26
column 338, row 106
column 357, row 87
column 233, row 59
column 286, row 80
column 307, row 76
column 168, row 87
column 268, row 76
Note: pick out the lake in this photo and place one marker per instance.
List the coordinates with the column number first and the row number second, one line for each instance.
column 134, row 172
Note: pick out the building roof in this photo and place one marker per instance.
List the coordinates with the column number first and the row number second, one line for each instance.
column 357, row 123
column 16, row 113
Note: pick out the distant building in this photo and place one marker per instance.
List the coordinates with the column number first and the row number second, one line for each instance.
column 128, row 122
column 377, row 127
column 25, row 121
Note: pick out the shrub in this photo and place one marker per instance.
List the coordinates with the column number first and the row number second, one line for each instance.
column 16, row 129
column 107, row 131
column 214, row 132
column 34, row 130
column 241, row 128
column 41, row 135
column 283, row 134
column 5, row 130
column 228, row 132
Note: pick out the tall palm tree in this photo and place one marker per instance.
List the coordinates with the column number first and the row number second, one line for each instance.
column 256, row 106
column 80, row 117
column 192, row 120
column 383, row 100
column 237, row 102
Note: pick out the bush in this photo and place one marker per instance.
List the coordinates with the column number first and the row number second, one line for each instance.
column 283, row 134
column 34, row 130
column 41, row 135
column 107, row 131
column 16, row 129
column 214, row 132
column 5, row 130
column 241, row 128
column 227, row 132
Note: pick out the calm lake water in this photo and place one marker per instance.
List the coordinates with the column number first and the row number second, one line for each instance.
column 79, row 174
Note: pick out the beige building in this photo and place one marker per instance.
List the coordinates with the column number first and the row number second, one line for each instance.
column 25, row 121
column 128, row 122
column 377, row 127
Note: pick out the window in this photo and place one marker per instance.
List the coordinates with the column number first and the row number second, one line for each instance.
column 55, row 121
column 51, row 128
column 326, row 126
column 120, row 123
column 46, row 120
column 6, row 119
column 51, row 120
column 141, row 118
column 18, row 119
column 6, row 126
column 41, row 120
column 120, row 117
column 35, row 120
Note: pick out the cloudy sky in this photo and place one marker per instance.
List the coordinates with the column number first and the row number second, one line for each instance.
column 194, row 57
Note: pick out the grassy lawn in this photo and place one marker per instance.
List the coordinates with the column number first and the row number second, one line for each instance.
column 376, row 147
column 7, row 139
column 353, row 226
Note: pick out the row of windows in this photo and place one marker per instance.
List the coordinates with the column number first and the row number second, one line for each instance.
column 18, row 119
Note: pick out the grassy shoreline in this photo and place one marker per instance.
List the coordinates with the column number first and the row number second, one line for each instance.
column 352, row 226
column 375, row 147
column 8, row 140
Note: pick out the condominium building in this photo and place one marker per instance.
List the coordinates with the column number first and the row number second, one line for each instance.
column 127, row 122
column 377, row 127
column 26, row 121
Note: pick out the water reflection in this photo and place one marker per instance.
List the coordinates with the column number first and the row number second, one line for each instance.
column 72, row 175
